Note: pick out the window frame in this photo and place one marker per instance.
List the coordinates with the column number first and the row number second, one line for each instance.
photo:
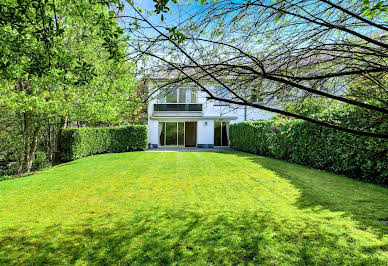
column 164, row 128
column 178, row 96
column 221, row 134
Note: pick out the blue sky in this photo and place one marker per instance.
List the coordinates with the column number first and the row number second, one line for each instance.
column 178, row 11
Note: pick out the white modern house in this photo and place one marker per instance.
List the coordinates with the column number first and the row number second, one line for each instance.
column 184, row 117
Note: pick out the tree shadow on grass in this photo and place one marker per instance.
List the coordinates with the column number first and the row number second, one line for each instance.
column 362, row 202
column 157, row 236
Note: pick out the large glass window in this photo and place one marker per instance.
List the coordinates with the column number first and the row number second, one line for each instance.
column 217, row 133
column 171, row 96
column 220, row 134
column 162, row 132
column 181, row 134
column 181, row 95
column 224, row 134
column 193, row 94
column 171, row 133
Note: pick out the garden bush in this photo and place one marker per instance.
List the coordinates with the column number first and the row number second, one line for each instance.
column 80, row 142
column 7, row 165
column 40, row 161
column 301, row 142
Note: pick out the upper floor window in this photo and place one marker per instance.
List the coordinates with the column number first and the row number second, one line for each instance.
column 181, row 95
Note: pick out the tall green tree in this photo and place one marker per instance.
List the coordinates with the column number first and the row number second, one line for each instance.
column 62, row 59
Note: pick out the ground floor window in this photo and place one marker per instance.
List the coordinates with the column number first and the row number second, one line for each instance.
column 220, row 134
column 178, row 134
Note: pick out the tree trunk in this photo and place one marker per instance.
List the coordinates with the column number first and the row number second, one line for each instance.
column 30, row 140
column 29, row 157
column 62, row 125
column 48, row 144
column 23, row 157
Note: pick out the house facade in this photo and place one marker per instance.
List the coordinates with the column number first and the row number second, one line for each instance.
column 184, row 117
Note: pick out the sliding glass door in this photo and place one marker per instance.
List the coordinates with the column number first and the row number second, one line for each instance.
column 181, row 134
column 172, row 134
column 220, row 134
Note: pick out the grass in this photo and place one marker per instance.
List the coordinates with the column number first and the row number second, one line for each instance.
column 191, row 208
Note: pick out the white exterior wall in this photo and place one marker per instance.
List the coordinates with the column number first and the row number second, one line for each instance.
column 205, row 124
column 205, row 132
column 210, row 109
column 152, row 124
column 153, row 137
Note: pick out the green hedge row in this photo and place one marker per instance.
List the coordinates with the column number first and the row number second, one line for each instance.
column 80, row 142
column 315, row 146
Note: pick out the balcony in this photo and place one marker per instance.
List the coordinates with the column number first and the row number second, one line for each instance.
column 178, row 107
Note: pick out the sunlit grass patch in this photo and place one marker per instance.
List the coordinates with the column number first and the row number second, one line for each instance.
column 160, row 208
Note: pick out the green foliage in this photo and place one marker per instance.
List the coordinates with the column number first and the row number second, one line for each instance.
column 176, row 35
column 369, row 10
column 10, row 138
column 58, row 67
column 315, row 146
column 40, row 161
column 365, row 89
column 6, row 168
column 309, row 106
column 80, row 142
column 61, row 59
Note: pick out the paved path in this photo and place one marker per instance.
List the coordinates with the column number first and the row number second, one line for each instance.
column 184, row 149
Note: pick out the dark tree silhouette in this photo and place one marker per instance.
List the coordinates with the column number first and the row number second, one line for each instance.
column 268, row 54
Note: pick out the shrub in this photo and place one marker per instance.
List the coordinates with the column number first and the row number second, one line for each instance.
column 7, row 165
column 301, row 142
column 39, row 161
column 80, row 142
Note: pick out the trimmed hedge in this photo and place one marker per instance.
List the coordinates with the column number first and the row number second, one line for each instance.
column 81, row 142
column 315, row 146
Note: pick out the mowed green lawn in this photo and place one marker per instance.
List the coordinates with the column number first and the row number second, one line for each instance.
column 191, row 208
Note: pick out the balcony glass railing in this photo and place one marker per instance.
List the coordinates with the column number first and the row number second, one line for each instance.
column 178, row 107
